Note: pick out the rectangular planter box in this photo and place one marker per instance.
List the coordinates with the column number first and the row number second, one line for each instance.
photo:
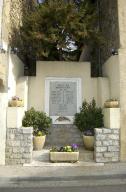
column 64, row 156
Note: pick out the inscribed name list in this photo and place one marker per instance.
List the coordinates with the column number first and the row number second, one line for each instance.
column 63, row 98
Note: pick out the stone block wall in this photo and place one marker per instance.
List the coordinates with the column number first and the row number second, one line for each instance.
column 107, row 145
column 19, row 146
column 64, row 134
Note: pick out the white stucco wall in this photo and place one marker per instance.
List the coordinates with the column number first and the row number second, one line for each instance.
column 15, row 71
column 3, row 69
column 1, row 7
column 103, row 90
column 3, row 105
column 122, row 22
column 81, row 70
column 111, row 70
column 22, row 90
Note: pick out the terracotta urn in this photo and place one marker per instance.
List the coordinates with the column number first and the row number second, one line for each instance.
column 111, row 104
column 88, row 142
column 38, row 142
column 16, row 103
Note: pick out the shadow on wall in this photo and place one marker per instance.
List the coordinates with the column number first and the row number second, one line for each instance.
column 16, row 70
column 18, row 66
column 2, row 88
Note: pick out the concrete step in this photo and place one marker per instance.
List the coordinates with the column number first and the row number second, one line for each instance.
column 43, row 155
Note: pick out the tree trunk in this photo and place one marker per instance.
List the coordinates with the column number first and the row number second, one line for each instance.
column 85, row 53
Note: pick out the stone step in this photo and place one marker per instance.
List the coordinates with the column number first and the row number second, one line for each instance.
column 43, row 155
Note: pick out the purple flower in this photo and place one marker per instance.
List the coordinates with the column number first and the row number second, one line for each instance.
column 15, row 98
column 74, row 146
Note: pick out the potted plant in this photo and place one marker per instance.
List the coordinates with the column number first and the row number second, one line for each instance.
column 40, row 123
column 69, row 153
column 86, row 120
column 111, row 103
column 16, row 102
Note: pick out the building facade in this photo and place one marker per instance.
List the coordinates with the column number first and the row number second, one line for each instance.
column 112, row 21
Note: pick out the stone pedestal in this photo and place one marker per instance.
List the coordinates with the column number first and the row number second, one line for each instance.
column 14, row 117
column 107, row 145
column 19, row 145
column 112, row 118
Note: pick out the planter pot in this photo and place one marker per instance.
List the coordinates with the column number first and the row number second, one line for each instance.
column 16, row 103
column 111, row 104
column 64, row 156
column 38, row 142
column 88, row 142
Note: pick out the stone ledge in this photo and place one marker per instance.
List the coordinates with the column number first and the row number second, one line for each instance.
column 28, row 130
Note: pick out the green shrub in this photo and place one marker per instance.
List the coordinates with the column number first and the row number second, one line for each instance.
column 89, row 117
column 38, row 120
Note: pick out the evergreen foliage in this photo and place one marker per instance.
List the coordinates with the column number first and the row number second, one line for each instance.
column 89, row 117
column 38, row 120
column 57, row 30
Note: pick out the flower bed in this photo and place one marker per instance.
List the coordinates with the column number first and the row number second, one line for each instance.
column 64, row 154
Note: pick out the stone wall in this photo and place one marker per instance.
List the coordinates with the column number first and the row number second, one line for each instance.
column 62, row 134
column 107, row 145
column 109, row 27
column 19, row 145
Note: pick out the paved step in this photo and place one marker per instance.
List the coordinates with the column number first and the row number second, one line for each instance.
column 40, row 157
column 35, row 182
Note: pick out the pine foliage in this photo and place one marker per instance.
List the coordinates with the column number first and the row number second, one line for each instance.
column 57, row 30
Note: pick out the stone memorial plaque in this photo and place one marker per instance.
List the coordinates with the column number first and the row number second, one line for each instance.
column 62, row 98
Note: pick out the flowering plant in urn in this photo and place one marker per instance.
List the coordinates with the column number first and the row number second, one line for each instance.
column 111, row 103
column 16, row 102
column 68, row 153
column 67, row 148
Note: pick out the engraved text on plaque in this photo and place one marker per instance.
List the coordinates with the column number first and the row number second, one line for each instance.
column 63, row 98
